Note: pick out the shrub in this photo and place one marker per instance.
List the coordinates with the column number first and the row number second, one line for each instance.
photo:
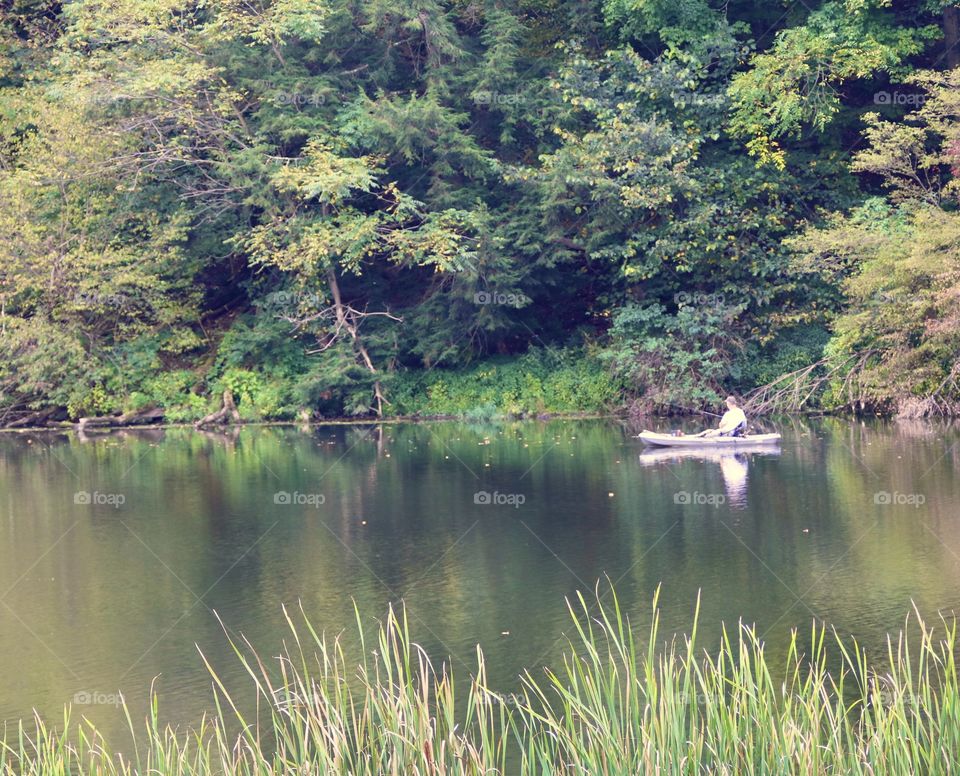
column 539, row 381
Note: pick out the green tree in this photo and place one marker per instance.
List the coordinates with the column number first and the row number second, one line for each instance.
column 896, row 341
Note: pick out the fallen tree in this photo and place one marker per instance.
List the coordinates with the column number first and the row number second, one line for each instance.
column 21, row 419
column 132, row 418
column 228, row 412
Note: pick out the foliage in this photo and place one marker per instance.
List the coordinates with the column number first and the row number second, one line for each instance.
column 795, row 84
column 792, row 349
column 616, row 705
column 431, row 186
column 897, row 262
column 671, row 359
column 539, row 382
column 172, row 391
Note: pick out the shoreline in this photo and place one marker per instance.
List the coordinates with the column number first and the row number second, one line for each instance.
column 392, row 420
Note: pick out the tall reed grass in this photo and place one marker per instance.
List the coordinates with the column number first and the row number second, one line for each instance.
column 613, row 707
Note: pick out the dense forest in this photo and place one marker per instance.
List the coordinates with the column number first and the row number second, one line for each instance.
column 328, row 208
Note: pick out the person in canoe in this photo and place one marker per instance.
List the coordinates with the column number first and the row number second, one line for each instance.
column 733, row 423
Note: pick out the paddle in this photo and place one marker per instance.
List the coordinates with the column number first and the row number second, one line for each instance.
column 691, row 410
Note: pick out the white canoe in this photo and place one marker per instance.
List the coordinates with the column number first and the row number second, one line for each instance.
column 668, row 440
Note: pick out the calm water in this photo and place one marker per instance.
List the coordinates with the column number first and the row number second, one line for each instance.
column 102, row 597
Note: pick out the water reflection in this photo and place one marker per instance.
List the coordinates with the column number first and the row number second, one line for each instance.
column 734, row 464
column 97, row 599
column 735, row 469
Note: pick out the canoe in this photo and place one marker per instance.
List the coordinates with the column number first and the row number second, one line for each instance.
column 668, row 440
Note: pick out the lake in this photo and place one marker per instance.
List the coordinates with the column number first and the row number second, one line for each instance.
column 119, row 551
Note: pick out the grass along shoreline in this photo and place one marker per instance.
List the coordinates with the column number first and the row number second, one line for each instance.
column 615, row 706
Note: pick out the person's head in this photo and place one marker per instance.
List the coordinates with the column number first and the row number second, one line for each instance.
column 732, row 402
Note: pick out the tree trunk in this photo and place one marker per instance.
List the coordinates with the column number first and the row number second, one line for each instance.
column 227, row 413
column 344, row 322
column 151, row 415
column 38, row 418
column 951, row 36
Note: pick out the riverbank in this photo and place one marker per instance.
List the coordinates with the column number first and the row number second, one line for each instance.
column 66, row 426
column 536, row 385
column 617, row 705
